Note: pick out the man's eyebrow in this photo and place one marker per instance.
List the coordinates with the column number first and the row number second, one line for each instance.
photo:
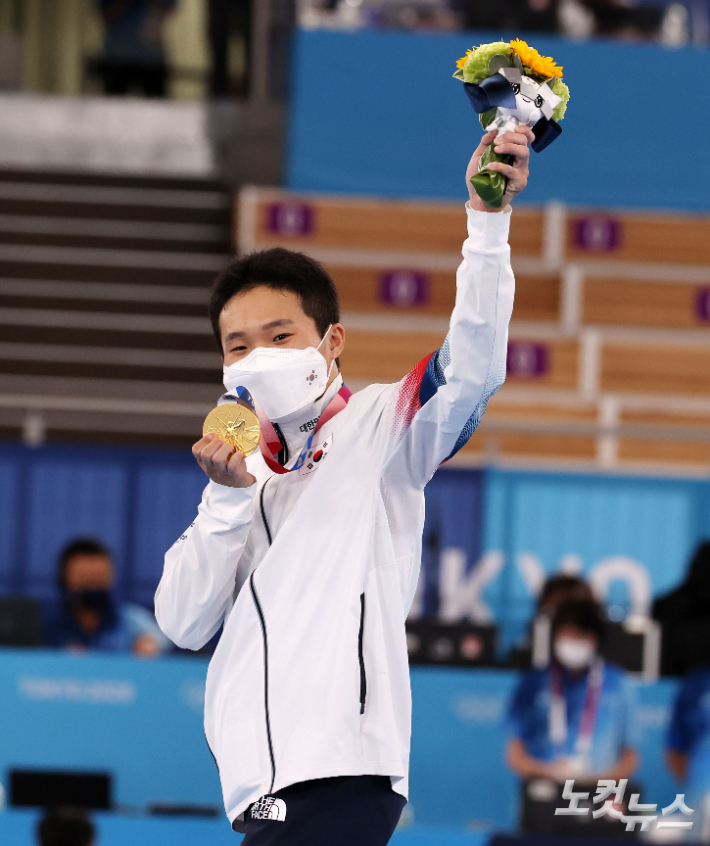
column 284, row 321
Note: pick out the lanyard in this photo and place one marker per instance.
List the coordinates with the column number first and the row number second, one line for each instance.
column 557, row 722
column 271, row 445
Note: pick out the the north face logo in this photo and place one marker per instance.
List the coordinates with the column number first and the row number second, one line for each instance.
column 268, row 808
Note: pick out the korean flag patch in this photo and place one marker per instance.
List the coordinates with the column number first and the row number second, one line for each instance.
column 316, row 456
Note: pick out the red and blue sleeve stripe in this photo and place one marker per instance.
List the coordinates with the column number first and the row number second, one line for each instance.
column 422, row 383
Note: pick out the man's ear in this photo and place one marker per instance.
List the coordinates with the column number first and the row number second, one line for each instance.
column 336, row 340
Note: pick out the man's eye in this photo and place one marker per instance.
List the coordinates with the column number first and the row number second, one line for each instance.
column 237, row 349
column 282, row 336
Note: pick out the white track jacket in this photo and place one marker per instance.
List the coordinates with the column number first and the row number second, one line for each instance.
column 312, row 573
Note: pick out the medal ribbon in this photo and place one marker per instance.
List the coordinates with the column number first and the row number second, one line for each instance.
column 271, row 445
column 558, row 709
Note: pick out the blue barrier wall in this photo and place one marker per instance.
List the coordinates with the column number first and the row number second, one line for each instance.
column 490, row 538
column 136, row 501
column 626, row 534
column 142, row 721
column 378, row 113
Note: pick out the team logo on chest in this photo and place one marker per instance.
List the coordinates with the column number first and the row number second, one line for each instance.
column 316, row 456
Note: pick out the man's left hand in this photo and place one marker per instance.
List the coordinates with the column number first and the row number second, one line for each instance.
column 509, row 143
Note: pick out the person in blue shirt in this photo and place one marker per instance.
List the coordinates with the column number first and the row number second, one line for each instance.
column 134, row 57
column 688, row 746
column 88, row 616
column 574, row 719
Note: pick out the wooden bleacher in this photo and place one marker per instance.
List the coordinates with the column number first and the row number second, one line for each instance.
column 104, row 285
column 633, row 237
column 658, row 304
column 270, row 218
column 614, row 307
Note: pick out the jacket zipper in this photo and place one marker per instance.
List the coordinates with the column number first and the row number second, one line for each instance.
column 262, row 620
column 266, row 680
column 263, row 511
column 361, row 657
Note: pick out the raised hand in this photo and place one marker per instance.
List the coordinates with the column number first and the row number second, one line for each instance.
column 514, row 144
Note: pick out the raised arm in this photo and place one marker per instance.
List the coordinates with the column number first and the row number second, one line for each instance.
column 200, row 568
column 436, row 408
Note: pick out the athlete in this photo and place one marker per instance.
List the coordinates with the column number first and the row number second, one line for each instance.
column 308, row 551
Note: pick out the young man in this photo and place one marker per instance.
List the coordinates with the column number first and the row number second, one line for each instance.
column 312, row 571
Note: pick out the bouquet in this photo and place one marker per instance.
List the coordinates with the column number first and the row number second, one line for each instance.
column 508, row 84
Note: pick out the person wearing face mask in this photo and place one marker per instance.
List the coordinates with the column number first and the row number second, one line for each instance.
column 574, row 719
column 307, row 552
column 88, row 616
column 557, row 589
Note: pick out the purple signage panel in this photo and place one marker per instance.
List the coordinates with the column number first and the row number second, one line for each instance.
column 597, row 233
column 526, row 359
column 289, row 219
column 702, row 304
column 404, row 288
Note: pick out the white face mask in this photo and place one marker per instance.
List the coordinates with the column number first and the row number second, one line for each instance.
column 574, row 654
column 283, row 381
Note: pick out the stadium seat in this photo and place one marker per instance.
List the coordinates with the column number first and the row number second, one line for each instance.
column 268, row 218
column 104, row 284
column 634, row 237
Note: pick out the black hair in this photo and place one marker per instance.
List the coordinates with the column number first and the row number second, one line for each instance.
column 79, row 546
column 574, row 587
column 283, row 270
column 585, row 614
column 65, row 827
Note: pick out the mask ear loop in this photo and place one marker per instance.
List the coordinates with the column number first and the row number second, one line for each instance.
column 319, row 346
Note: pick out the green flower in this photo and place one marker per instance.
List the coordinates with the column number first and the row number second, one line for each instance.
column 476, row 67
column 559, row 88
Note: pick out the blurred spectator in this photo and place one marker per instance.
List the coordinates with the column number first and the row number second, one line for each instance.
column 413, row 15
column 133, row 58
column 65, row 827
column 227, row 20
column 631, row 22
column 10, row 62
column 88, row 616
column 688, row 745
column 282, row 20
column 684, row 615
column 557, row 589
column 561, row 588
column 571, row 17
column 381, row 14
column 517, row 15
column 575, row 718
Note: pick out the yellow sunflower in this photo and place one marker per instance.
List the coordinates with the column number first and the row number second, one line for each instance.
column 542, row 65
column 462, row 61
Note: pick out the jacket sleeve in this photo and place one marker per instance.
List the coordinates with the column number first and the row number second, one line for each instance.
column 436, row 408
column 200, row 569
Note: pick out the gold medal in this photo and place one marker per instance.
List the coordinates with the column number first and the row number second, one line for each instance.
column 236, row 425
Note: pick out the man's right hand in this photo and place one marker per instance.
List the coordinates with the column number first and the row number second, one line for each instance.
column 222, row 463
column 516, row 144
